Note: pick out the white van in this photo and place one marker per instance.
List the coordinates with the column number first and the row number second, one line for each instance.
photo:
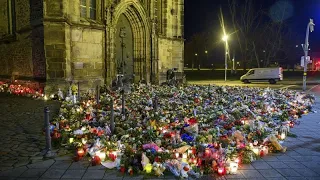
column 272, row 75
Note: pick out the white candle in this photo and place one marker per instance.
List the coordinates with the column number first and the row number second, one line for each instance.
column 102, row 155
column 233, row 168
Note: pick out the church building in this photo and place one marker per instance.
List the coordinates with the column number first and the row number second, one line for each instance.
column 90, row 41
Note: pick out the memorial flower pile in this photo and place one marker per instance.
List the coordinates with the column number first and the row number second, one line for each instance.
column 189, row 131
column 21, row 90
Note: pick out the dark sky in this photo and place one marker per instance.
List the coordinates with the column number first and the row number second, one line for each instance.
column 202, row 15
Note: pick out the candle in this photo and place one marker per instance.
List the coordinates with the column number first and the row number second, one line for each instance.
column 184, row 155
column 71, row 140
column 177, row 155
column 189, row 151
column 283, row 136
column 102, row 155
column 207, row 152
column 84, row 141
column 237, row 160
column 221, row 171
column 80, row 152
column 233, row 167
column 255, row 150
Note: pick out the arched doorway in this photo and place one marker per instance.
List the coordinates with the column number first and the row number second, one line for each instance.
column 130, row 39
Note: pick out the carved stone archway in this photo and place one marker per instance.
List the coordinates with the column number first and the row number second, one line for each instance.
column 136, row 15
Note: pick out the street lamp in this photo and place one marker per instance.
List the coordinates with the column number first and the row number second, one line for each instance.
column 196, row 54
column 193, row 61
column 310, row 28
column 206, row 54
column 225, row 39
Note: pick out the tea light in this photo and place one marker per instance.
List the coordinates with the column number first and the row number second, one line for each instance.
column 84, row 141
column 184, row 156
column 255, row 150
column 102, row 155
column 80, row 152
column 233, row 167
column 283, row 136
column 221, row 171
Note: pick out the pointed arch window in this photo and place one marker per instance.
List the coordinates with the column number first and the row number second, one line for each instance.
column 88, row 9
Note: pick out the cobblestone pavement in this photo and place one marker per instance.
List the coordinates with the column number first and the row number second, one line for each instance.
column 21, row 124
column 301, row 161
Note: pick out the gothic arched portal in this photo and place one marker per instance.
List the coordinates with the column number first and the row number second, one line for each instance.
column 131, row 28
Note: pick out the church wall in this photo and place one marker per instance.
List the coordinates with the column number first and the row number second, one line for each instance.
column 16, row 46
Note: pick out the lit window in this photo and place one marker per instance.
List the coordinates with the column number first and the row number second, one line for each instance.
column 88, row 9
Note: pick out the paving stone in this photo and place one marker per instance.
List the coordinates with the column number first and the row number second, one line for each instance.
column 294, row 164
column 73, row 174
column 270, row 158
column 306, row 172
column 61, row 165
column 246, row 166
column 43, row 164
column 313, row 178
column 269, row 173
column 277, row 164
column 251, row 173
column 94, row 174
column 311, row 164
column 53, row 173
column 235, row 176
column 27, row 178
column 261, row 165
column 34, row 173
column 21, row 163
column 286, row 158
column 79, row 165
column 288, row 173
column 13, row 172
column 303, row 158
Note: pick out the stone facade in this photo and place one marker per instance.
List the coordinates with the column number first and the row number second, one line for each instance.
column 80, row 40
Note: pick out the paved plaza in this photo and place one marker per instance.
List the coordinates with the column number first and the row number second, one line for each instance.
column 21, row 140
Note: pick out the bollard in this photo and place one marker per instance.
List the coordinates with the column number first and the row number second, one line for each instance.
column 47, row 152
column 112, row 126
column 155, row 105
column 98, row 94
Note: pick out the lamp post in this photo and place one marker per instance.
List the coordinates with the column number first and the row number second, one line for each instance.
column 206, row 55
column 305, row 47
column 193, row 60
column 225, row 39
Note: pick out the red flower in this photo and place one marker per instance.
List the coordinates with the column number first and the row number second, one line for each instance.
column 192, row 121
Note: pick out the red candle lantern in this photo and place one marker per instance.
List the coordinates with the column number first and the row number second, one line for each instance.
column 96, row 160
column 207, row 152
column 87, row 116
column 80, row 152
column 261, row 153
column 122, row 169
column 221, row 171
column 291, row 124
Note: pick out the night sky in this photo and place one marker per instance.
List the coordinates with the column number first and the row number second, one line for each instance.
column 202, row 15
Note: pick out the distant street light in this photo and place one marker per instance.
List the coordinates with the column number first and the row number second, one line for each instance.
column 193, row 60
column 206, row 55
column 225, row 39
column 310, row 28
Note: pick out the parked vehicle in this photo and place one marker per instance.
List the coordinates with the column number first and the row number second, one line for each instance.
column 271, row 75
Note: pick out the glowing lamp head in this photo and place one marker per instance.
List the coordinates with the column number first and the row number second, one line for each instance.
column 225, row 38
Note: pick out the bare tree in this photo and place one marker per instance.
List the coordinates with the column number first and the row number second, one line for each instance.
column 245, row 20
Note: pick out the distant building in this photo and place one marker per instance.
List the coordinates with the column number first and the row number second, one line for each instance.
column 90, row 40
